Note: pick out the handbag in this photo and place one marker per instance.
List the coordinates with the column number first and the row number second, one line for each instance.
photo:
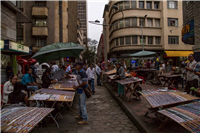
column 86, row 90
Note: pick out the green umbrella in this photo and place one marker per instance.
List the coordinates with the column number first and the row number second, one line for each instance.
column 58, row 50
column 143, row 54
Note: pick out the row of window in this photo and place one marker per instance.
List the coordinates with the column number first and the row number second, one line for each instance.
column 39, row 41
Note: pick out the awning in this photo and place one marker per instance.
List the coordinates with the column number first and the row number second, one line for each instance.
column 178, row 53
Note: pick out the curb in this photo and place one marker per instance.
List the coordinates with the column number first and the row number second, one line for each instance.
column 130, row 113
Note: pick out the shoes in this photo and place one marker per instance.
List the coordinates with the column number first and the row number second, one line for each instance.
column 82, row 122
column 78, row 117
column 93, row 92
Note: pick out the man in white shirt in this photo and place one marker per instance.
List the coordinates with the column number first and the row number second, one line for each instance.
column 98, row 72
column 90, row 73
column 54, row 67
column 68, row 70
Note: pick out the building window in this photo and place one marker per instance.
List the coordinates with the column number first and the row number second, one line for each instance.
column 128, row 39
column 20, row 39
column 127, row 4
column 173, row 39
column 19, row 25
column 121, row 6
column 141, row 4
column 134, row 21
column 157, row 22
column 142, row 21
column 144, row 39
column 19, row 5
column 127, row 22
column 40, row 3
column 157, row 40
column 41, row 22
column 173, row 22
column 149, row 5
column 156, row 5
column 116, row 25
column 149, row 22
column 133, row 4
column 40, row 42
column 121, row 40
column 150, row 40
column 172, row 4
column 134, row 39
column 117, row 43
column 121, row 23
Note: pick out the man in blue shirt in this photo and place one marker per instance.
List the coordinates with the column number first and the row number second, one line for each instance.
column 80, row 85
column 28, row 80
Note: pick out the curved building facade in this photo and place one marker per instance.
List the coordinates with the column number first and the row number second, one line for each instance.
column 161, row 28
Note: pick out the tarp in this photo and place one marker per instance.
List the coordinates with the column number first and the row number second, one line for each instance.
column 178, row 53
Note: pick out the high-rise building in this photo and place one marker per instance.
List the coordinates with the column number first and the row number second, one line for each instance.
column 82, row 15
column 161, row 29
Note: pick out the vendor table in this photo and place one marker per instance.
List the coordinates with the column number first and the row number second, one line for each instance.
column 66, row 84
column 112, row 77
column 22, row 119
column 128, row 82
column 186, row 115
column 169, row 78
column 111, row 72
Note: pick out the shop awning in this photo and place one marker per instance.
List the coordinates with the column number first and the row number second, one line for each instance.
column 178, row 53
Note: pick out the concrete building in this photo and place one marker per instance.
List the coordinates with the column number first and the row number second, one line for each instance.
column 191, row 26
column 82, row 15
column 53, row 21
column 161, row 29
column 100, row 50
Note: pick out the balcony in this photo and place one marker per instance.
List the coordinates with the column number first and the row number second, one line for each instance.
column 40, row 31
column 40, row 12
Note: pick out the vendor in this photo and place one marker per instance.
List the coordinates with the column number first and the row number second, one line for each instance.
column 46, row 79
column 120, row 75
column 176, row 70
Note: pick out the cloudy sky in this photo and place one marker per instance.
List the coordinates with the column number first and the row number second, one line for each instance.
column 95, row 11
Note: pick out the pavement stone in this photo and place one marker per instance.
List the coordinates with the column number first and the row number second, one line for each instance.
column 105, row 116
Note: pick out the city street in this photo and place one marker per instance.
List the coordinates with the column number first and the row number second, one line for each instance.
column 105, row 116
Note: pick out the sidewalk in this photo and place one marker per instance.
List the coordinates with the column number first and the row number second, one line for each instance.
column 137, row 109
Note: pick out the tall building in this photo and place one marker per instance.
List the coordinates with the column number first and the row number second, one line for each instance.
column 161, row 29
column 191, row 26
column 100, row 50
column 82, row 15
column 52, row 21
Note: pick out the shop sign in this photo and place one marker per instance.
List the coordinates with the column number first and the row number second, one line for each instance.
column 18, row 47
column 2, row 44
column 188, row 32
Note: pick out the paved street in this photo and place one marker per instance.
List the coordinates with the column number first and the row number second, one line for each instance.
column 105, row 116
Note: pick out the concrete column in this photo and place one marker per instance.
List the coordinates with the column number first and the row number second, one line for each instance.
column 146, row 41
column 138, row 37
column 154, row 40
column 145, row 5
column 153, row 23
column 137, row 4
column 152, row 6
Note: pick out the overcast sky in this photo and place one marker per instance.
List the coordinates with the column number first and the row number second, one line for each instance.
column 95, row 11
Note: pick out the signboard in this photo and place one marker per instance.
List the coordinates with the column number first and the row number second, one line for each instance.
column 2, row 44
column 188, row 32
column 18, row 47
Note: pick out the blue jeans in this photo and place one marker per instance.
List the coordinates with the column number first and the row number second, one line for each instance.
column 91, row 83
column 32, row 88
column 82, row 106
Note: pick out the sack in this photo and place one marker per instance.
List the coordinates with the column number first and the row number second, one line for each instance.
column 86, row 90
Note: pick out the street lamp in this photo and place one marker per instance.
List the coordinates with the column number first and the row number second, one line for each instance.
column 97, row 22
column 142, row 31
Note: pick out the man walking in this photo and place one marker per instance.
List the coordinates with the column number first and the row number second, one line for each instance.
column 192, row 78
column 80, row 85
column 98, row 72
column 90, row 73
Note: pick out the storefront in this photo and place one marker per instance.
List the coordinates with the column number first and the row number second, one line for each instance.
column 10, row 51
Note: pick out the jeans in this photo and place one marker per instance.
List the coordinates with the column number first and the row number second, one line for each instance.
column 32, row 88
column 120, row 89
column 91, row 83
column 82, row 106
column 98, row 79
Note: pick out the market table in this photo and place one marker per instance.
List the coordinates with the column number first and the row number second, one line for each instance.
column 128, row 82
column 111, row 72
column 66, row 84
column 145, row 72
column 186, row 115
column 169, row 78
column 22, row 119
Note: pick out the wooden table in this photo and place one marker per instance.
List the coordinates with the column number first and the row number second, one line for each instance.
column 111, row 72
column 128, row 82
column 22, row 119
column 186, row 115
column 169, row 78
column 66, row 84
column 145, row 72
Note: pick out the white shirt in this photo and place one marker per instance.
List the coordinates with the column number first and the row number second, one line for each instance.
column 163, row 66
column 190, row 75
column 68, row 69
column 7, row 89
column 90, row 73
column 98, row 70
column 55, row 67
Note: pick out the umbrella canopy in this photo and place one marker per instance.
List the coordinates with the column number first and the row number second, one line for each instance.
column 58, row 50
column 143, row 54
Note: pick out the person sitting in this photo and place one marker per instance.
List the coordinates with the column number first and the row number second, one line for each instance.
column 9, row 87
column 28, row 80
column 46, row 79
column 17, row 96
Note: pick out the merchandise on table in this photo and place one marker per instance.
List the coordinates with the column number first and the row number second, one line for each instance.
column 22, row 119
column 51, row 91
column 41, row 96
column 55, row 97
